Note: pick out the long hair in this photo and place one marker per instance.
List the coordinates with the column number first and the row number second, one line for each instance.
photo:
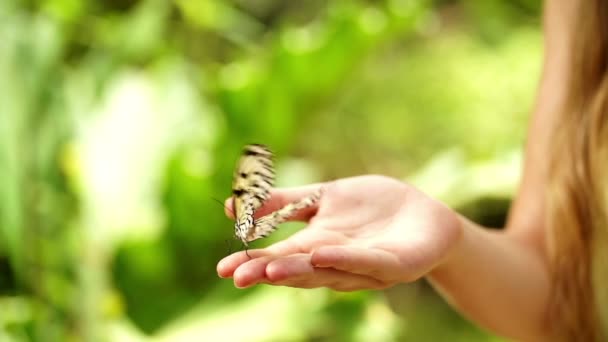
column 577, row 211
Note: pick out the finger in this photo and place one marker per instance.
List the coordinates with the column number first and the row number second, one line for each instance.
column 301, row 242
column 336, row 280
column 306, row 239
column 369, row 262
column 292, row 266
column 252, row 272
column 297, row 271
column 256, row 270
column 280, row 198
column 227, row 266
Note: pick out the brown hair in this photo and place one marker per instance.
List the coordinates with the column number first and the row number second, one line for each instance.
column 577, row 209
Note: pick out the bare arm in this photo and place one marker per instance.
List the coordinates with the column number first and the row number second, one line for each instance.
column 501, row 279
column 497, row 281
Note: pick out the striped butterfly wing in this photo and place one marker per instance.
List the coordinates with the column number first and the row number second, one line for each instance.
column 252, row 181
column 265, row 225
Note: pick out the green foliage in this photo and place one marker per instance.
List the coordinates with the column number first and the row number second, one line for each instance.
column 121, row 122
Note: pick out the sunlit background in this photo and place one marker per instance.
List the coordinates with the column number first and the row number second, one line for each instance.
column 121, row 122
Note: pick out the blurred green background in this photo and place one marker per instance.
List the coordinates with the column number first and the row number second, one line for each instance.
column 121, row 121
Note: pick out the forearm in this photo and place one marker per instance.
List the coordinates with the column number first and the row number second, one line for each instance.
column 497, row 281
column 501, row 279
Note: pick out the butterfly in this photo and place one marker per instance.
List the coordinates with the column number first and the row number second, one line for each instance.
column 253, row 179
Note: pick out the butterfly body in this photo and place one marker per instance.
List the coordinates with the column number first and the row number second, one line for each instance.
column 253, row 179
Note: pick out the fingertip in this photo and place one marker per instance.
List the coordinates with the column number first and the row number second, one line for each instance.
column 244, row 277
column 221, row 270
column 228, row 207
column 241, row 284
column 225, row 267
column 251, row 272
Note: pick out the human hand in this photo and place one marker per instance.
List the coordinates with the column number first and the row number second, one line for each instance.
column 366, row 232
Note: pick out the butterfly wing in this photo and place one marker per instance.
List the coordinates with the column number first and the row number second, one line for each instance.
column 265, row 225
column 253, row 178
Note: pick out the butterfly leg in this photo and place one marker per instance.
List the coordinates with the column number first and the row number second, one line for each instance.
column 247, row 252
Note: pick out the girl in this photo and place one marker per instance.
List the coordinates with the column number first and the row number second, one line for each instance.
column 544, row 277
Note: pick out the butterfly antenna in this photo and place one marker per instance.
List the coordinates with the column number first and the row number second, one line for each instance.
column 229, row 245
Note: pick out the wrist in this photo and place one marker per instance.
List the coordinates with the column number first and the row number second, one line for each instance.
column 457, row 250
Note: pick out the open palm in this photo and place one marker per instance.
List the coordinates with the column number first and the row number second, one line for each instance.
column 367, row 232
